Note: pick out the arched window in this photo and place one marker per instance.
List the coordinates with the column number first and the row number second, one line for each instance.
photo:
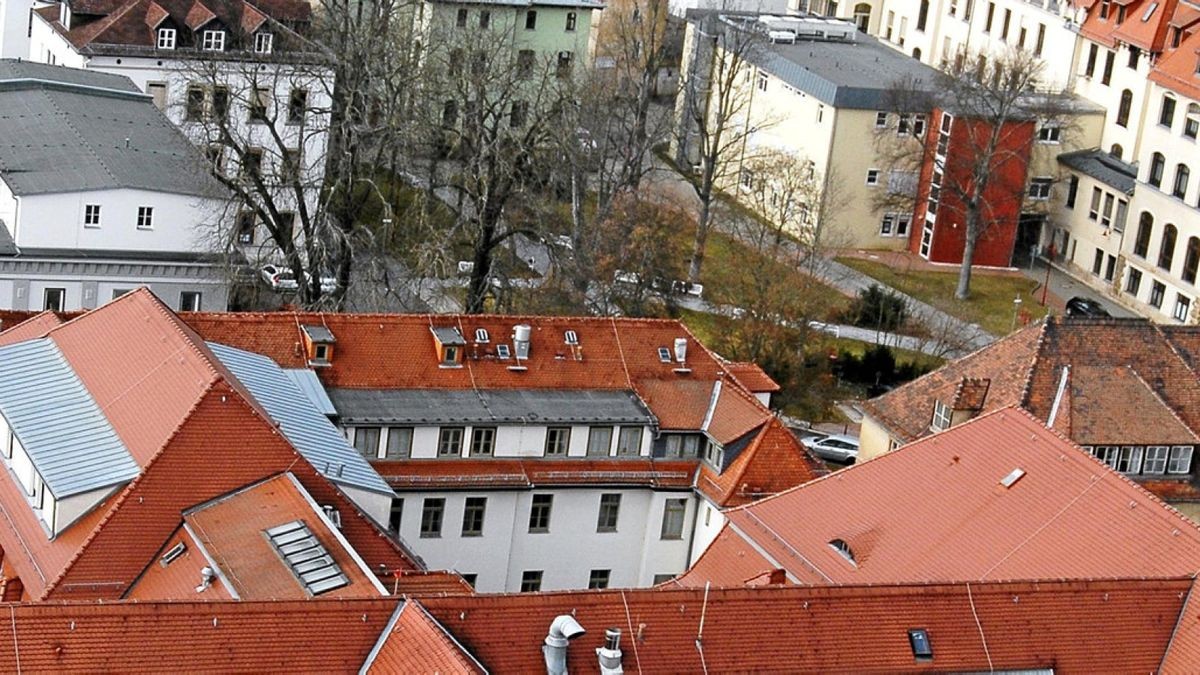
column 1157, row 164
column 1191, row 260
column 1166, row 250
column 844, row 549
column 1116, row 150
column 1141, row 245
column 862, row 16
column 1124, row 108
column 917, row 53
column 1181, row 180
column 1191, row 121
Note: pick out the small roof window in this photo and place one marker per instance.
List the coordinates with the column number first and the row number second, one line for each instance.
column 918, row 639
column 307, row 557
column 664, row 354
column 1012, row 478
column 481, row 335
column 843, row 549
column 502, row 351
column 318, row 333
column 571, row 337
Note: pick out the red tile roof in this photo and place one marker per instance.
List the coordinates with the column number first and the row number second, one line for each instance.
column 416, row 643
column 1176, row 70
column 441, row 474
column 179, row 579
column 231, row 531
column 752, row 377
column 725, row 562
column 936, row 511
column 36, row 326
column 1148, row 34
column 1072, row 627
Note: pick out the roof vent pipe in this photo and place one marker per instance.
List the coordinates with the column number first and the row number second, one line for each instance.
column 521, row 334
column 610, row 653
column 681, row 349
column 563, row 629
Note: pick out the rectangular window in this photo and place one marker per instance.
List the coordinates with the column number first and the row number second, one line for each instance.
column 1098, row 262
column 991, row 14
column 1110, row 270
column 461, row 19
column 54, row 299
column 1106, row 454
column 189, row 301
column 610, row 509
column 662, row 578
column 1041, row 40
column 570, row 22
column 166, row 38
column 289, row 165
column 1166, row 114
column 1094, row 210
column 558, row 439
column 1157, row 291
column 297, row 105
column 968, row 10
column 1049, row 133
column 91, row 215
column 872, row 176
column 246, row 223
column 431, row 517
column 145, row 218
column 1156, row 459
column 1072, row 191
column 194, row 105
column 213, row 41
column 887, row 225
column 902, row 223
column 263, row 43
column 1107, row 213
column 672, row 523
column 598, row 579
column 941, row 416
column 1133, row 281
column 450, row 441
column 531, row 20
column 762, row 81
column 881, row 120
column 566, row 61
column 1181, row 459
column 472, row 525
column 485, row 18
column 396, row 515
column 630, row 441
column 1134, row 53
column 1108, row 68
column 539, row 513
column 599, row 441
column 220, row 103
column 1090, row 69
column 258, row 104
column 366, row 441
column 252, row 163
column 525, row 64
column 531, row 581
column 1183, row 305
column 483, row 441
column 1007, row 21
column 399, row 442
column 1039, row 188
column 1130, row 459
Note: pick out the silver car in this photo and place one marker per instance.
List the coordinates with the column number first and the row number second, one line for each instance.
column 836, row 448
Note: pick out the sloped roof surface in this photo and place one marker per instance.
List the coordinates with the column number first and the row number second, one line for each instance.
column 752, row 377
column 56, row 420
column 415, row 643
column 530, row 472
column 1103, row 167
column 935, row 510
column 75, row 133
column 1072, row 627
column 308, row 382
column 305, row 427
column 1095, row 391
column 530, row 406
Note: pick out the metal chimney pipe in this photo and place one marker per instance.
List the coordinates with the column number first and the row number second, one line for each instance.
column 610, row 654
column 563, row 629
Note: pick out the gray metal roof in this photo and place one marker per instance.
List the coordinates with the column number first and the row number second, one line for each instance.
column 492, row 406
column 855, row 75
column 64, row 432
column 318, row 333
column 1103, row 167
column 308, row 382
column 61, row 131
column 448, row 335
column 309, row 431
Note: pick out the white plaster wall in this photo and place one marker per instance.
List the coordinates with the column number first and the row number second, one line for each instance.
column 181, row 223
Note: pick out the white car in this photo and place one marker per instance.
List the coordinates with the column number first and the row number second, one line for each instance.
column 278, row 277
column 835, row 448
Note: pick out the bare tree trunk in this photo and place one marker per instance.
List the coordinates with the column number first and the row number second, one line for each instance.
column 963, row 291
column 701, row 240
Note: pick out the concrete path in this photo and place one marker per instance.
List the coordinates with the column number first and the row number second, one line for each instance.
column 1065, row 287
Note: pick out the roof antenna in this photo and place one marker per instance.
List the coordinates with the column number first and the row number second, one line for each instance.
column 126, row 142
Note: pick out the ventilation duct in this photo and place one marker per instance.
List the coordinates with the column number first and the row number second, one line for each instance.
column 610, row 654
column 521, row 335
column 563, row 629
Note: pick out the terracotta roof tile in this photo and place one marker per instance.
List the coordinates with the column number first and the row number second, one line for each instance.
column 1099, row 393
column 1146, row 23
column 179, row 579
column 1176, row 69
column 768, row 466
column 752, row 377
column 1083, row 626
column 33, row 327
column 725, row 562
column 416, row 643
column 936, row 511
column 465, row 473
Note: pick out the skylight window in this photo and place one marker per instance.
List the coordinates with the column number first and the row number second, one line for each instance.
column 664, row 354
column 307, row 557
column 1149, row 12
column 918, row 639
column 571, row 338
column 843, row 549
column 1012, row 478
column 502, row 351
column 481, row 335
column 173, row 554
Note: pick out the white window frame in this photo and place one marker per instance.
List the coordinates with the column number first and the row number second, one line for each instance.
column 1039, row 188
column 91, row 218
column 213, row 41
column 1129, row 460
column 145, row 218
column 881, row 119
column 942, row 415
column 873, row 177
column 1049, row 134
column 1180, row 461
column 264, row 42
column 166, row 38
column 1183, row 307
column 1157, row 456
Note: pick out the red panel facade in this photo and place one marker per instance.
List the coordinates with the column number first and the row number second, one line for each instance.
column 1003, row 197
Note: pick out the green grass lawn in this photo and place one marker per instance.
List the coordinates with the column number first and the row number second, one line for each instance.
column 990, row 304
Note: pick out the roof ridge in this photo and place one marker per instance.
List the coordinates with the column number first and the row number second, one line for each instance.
column 1043, row 337
column 1170, row 408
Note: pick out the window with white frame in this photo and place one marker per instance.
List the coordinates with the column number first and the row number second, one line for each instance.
column 166, row 38
column 263, row 43
column 941, row 416
column 1107, row 454
column 1183, row 305
column 1129, row 459
column 1050, row 134
column 1039, row 188
column 145, row 218
column 872, row 176
column 1156, row 459
column 91, row 215
column 213, row 41
column 1181, row 459
column 881, row 119
column 762, row 81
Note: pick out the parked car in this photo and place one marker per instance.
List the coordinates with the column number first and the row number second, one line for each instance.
column 328, row 284
column 278, row 277
column 1081, row 306
column 835, row 448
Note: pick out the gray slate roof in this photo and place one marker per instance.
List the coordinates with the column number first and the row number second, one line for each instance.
column 310, row 432
column 1103, row 167
column 308, row 382
column 67, row 437
column 491, row 406
column 66, row 130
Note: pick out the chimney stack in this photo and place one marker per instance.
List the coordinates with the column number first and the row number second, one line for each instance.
column 610, row 654
column 520, row 336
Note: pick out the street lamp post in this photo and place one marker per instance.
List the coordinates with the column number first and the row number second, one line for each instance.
column 1016, row 310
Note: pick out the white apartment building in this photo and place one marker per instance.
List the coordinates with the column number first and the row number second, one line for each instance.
column 99, row 195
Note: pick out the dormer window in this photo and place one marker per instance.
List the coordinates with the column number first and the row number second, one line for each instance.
column 664, row 354
column 166, row 38
column 449, row 343
column 263, row 43
column 318, row 345
column 941, row 416
column 213, row 41
column 843, row 550
column 481, row 335
column 571, row 337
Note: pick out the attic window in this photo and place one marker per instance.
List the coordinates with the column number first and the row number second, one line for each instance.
column 1012, row 478
column 166, row 38
column 213, row 41
column 918, row 639
column 263, row 43
column 843, row 550
column 173, row 554
column 481, row 335
column 571, row 337
column 307, row 557
column 941, row 416
column 664, row 354
column 502, row 351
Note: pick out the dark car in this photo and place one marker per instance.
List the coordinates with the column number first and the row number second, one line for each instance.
column 1079, row 306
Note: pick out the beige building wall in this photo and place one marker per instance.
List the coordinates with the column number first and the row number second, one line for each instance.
column 873, row 439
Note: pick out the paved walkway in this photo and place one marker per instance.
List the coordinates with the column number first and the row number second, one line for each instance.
column 1063, row 287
